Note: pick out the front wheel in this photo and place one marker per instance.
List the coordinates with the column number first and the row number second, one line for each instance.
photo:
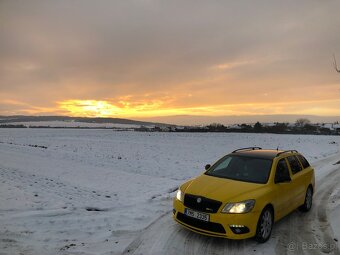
column 264, row 225
column 308, row 200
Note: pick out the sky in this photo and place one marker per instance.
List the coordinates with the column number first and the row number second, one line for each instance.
column 142, row 59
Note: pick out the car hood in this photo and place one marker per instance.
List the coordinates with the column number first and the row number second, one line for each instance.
column 221, row 189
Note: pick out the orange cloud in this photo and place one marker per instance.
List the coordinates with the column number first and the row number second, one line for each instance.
column 89, row 108
column 126, row 108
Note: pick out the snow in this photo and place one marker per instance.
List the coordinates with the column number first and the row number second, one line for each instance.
column 335, row 212
column 91, row 191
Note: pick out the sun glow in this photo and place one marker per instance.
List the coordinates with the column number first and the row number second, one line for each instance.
column 89, row 108
column 122, row 108
column 151, row 108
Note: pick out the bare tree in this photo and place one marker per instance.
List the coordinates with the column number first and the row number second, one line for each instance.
column 335, row 64
column 302, row 122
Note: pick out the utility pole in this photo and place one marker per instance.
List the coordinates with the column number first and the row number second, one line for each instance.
column 335, row 64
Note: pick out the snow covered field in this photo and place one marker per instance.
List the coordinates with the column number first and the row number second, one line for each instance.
column 93, row 191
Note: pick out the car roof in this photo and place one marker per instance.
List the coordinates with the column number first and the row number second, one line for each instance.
column 260, row 153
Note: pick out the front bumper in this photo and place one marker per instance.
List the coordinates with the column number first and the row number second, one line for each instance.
column 220, row 224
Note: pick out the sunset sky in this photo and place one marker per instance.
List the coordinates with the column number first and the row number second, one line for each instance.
column 136, row 59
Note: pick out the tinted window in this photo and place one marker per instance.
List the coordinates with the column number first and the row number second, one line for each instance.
column 242, row 168
column 282, row 171
column 303, row 161
column 294, row 164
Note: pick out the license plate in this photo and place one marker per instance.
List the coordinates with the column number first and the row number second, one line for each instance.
column 196, row 215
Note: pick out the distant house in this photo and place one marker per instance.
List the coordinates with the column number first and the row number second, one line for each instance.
column 235, row 126
column 328, row 125
column 334, row 128
column 337, row 128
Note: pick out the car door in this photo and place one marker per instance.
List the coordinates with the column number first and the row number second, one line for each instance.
column 298, row 186
column 307, row 176
column 283, row 190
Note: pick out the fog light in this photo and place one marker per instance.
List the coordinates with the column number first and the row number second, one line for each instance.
column 239, row 229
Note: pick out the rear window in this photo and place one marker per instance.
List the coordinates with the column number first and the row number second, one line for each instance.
column 294, row 164
column 303, row 161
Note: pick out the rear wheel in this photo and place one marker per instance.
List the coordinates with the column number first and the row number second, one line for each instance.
column 264, row 225
column 308, row 200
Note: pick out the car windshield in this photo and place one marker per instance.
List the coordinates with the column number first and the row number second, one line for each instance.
column 241, row 168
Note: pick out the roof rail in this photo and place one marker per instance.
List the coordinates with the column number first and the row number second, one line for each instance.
column 247, row 148
column 282, row 152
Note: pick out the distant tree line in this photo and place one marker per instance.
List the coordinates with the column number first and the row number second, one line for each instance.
column 12, row 126
column 301, row 126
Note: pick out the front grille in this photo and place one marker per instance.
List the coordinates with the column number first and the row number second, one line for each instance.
column 209, row 226
column 201, row 203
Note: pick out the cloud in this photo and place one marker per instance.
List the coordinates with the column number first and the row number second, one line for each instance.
column 53, row 51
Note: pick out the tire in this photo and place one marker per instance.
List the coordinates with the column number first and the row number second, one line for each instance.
column 264, row 225
column 307, row 205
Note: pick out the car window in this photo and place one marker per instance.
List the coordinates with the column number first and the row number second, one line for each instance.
column 303, row 161
column 294, row 164
column 223, row 165
column 282, row 171
column 242, row 168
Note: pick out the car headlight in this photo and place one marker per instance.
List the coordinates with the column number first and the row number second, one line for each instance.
column 180, row 195
column 240, row 207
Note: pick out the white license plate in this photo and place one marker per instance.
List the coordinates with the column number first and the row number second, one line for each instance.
column 196, row 215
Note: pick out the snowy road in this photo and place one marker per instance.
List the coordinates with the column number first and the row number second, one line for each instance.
column 297, row 233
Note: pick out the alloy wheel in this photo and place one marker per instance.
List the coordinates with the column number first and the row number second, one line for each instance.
column 266, row 224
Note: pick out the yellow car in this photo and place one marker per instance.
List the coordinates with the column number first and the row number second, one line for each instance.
column 244, row 193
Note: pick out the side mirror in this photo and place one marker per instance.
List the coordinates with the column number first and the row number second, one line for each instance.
column 207, row 166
